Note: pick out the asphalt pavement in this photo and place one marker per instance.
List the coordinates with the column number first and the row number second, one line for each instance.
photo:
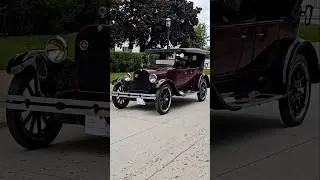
column 253, row 144
column 146, row 145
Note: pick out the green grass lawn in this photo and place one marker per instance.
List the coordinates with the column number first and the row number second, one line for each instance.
column 11, row 45
column 310, row 33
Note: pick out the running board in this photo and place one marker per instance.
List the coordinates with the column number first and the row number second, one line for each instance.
column 227, row 101
column 244, row 103
column 55, row 105
column 218, row 102
column 181, row 93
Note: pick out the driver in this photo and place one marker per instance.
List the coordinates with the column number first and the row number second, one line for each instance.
column 179, row 62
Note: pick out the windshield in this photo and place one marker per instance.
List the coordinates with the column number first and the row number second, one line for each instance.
column 164, row 58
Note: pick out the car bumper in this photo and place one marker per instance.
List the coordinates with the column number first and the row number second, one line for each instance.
column 134, row 95
column 56, row 105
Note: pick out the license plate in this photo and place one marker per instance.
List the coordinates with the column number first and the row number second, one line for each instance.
column 140, row 101
column 96, row 126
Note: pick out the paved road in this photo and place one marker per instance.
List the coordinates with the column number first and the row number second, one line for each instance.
column 74, row 156
column 252, row 144
column 145, row 145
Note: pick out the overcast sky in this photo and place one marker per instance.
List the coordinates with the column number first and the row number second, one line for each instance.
column 204, row 16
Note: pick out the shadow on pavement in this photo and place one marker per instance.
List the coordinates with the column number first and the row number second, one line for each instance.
column 227, row 127
column 176, row 104
column 84, row 144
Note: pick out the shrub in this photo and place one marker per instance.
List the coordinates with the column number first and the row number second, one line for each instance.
column 128, row 62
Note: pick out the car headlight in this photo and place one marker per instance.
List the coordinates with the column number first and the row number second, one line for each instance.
column 56, row 49
column 153, row 78
column 127, row 77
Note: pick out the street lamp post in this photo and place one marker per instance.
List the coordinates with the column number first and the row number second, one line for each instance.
column 168, row 25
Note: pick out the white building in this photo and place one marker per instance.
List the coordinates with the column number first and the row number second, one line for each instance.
column 125, row 48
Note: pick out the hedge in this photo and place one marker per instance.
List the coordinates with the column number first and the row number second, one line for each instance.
column 128, row 62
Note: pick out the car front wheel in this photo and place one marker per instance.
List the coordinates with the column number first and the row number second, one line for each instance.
column 163, row 99
column 294, row 106
column 32, row 130
column 119, row 102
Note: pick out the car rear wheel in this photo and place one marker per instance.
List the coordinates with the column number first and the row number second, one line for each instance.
column 32, row 130
column 202, row 94
column 163, row 99
column 294, row 106
column 119, row 102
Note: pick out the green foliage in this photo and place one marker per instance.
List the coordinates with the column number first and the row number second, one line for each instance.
column 310, row 32
column 143, row 22
column 200, row 38
column 128, row 62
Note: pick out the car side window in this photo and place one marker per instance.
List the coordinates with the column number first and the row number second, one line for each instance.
column 232, row 11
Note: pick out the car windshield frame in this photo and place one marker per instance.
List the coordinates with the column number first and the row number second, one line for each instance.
column 173, row 55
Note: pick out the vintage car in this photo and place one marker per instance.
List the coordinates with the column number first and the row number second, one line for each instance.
column 176, row 72
column 48, row 89
column 258, row 57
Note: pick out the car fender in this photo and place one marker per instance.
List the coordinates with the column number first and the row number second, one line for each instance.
column 120, row 80
column 162, row 82
column 300, row 46
column 206, row 78
column 22, row 61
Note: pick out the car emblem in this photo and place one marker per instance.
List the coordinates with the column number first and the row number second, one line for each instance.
column 100, row 28
column 84, row 45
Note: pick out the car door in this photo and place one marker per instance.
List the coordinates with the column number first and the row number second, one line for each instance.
column 227, row 48
column 233, row 36
column 178, row 76
column 265, row 34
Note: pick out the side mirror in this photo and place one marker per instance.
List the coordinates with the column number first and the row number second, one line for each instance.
column 307, row 13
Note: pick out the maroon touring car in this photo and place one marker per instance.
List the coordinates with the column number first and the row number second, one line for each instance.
column 176, row 72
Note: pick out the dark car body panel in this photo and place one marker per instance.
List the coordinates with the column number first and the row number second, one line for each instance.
column 253, row 45
column 93, row 63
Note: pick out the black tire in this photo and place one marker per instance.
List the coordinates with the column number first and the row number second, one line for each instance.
column 163, row 99
column 203, row 90
column 119, row 102
column 18, row 126
column 294, row 106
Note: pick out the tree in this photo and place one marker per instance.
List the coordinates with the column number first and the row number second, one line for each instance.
column 142, row 22
column 200, row 38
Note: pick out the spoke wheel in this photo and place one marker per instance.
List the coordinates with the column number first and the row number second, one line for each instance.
column 32, row 130
column 202, row 94
column 294, row 106
column 163, row 99
column 119, row 102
